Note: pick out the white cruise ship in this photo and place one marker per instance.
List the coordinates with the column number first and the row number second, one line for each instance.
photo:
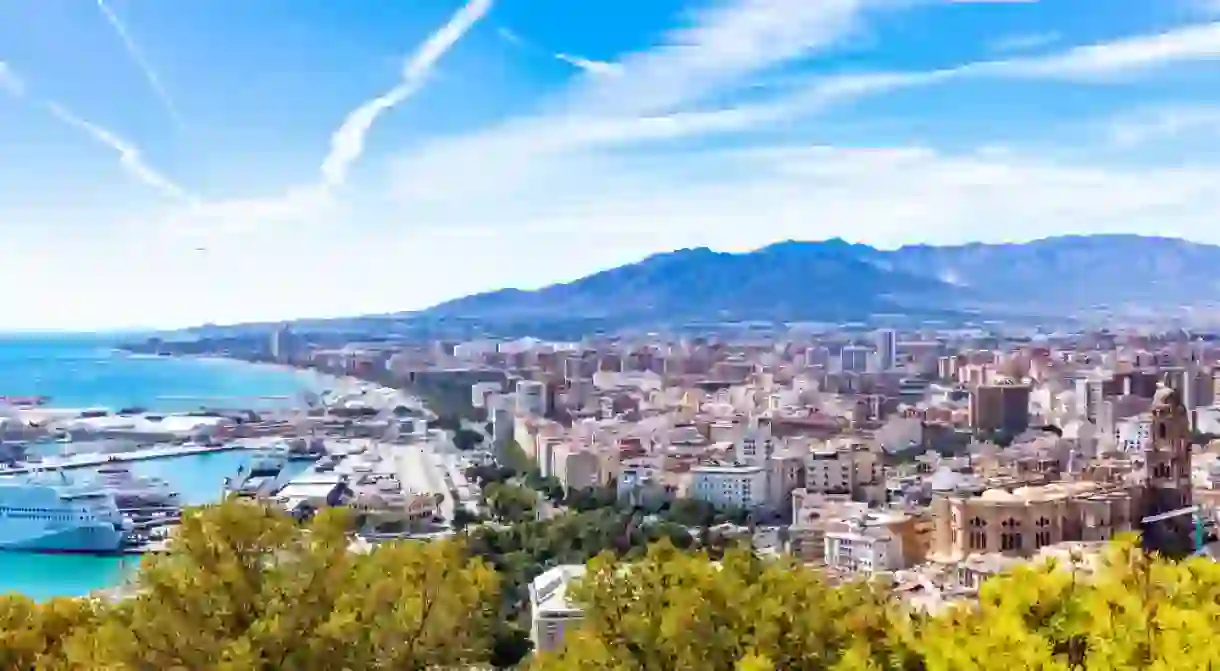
column 133, row 492
column 41, row 515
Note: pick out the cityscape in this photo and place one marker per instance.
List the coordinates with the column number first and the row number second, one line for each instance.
column 929, row 460
column 653, row 335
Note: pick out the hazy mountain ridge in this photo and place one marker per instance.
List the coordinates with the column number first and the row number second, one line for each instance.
column 836, row 280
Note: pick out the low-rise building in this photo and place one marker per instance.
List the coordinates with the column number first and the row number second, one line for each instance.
column 552, row 612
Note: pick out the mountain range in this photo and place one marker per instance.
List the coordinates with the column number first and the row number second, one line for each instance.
column 834, row 280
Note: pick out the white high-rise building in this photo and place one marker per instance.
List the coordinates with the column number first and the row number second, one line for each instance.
column 886, row 341
column 854, row 359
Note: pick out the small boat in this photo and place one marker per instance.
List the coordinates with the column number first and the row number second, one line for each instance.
column 26, row 401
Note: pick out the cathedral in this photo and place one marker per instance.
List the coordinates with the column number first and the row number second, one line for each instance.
column 1167, row 477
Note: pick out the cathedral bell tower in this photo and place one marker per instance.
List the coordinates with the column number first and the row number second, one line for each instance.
column 1167, row 482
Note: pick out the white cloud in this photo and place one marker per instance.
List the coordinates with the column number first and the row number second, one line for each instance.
column 600, row 179
column 592, row 67
column 347, row 142
column 1165, row 123
column 609, row 210
column 588, row 168
column 887, row 195
column 1199, row 42
column 720, row 49
column 457, row 164
column 137, row 57
column 129, row 155
column 1025, row 42
column 9, row 81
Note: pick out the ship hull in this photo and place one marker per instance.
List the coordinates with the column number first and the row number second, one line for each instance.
column 92, row 539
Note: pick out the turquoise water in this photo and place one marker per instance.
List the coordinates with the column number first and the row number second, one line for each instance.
column 81, row 372
column 77, row 372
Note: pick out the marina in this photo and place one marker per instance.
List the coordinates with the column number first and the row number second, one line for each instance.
column 95, row 460
column 89, row 486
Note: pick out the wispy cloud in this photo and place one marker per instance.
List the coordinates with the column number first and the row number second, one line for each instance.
column 659, row 90
column 601, row 68
column 313, row 203
column 721, row 48
column 129, row 155
column 1025, row 42
column 347, row 142
column 727, row 44
column 1200, row 42
column 659, row 97
column 137, row 57
column 10, row 82
column 1165, row 123
column 510, row 36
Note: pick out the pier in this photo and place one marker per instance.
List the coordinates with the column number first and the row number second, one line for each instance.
column 95, row 460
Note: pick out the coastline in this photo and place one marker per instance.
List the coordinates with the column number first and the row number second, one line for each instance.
column 325, row 381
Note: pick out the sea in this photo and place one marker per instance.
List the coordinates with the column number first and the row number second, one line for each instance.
column 88, row 372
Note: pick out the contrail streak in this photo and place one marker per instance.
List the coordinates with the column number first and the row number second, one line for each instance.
column 137, row 57
column 129, row 155
column 347, row 142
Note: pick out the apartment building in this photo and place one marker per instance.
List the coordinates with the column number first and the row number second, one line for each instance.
column 1003, row 406
column 532, row 397
column 849, row 469
column 867, row 543
column 729, row 485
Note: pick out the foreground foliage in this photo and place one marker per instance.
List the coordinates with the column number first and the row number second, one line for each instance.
column 680, row 611
column 246, row 588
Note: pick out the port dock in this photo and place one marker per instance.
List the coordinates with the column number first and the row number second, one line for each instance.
column 95, row 460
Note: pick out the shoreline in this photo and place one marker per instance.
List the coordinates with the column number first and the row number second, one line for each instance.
column 308, row 381
column 340, row 383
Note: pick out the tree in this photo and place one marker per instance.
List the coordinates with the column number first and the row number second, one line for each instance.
column 463, row 518
column 32, row 635
column 691, row 513
column 676, row 610
column 465, row 439
column 510, row 503
column 243, row 587
column 591, row 498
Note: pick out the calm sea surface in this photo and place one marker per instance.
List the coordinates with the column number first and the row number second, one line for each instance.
column 85, row 373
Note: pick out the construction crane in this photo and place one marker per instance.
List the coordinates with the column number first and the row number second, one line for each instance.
column 1172, row 514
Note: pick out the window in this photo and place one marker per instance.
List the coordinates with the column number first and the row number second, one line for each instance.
column 1162, row 431
column 1010, row 541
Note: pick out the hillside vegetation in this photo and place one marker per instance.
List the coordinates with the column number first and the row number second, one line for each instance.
column 244, row 587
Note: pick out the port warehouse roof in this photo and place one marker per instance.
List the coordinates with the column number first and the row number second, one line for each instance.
column 169, row 424
column 411, row 468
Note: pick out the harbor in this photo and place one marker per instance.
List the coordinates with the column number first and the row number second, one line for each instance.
column 94, row 460
column 122, row 477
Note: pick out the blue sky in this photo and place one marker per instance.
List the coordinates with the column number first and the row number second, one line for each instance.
column 169, row 163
